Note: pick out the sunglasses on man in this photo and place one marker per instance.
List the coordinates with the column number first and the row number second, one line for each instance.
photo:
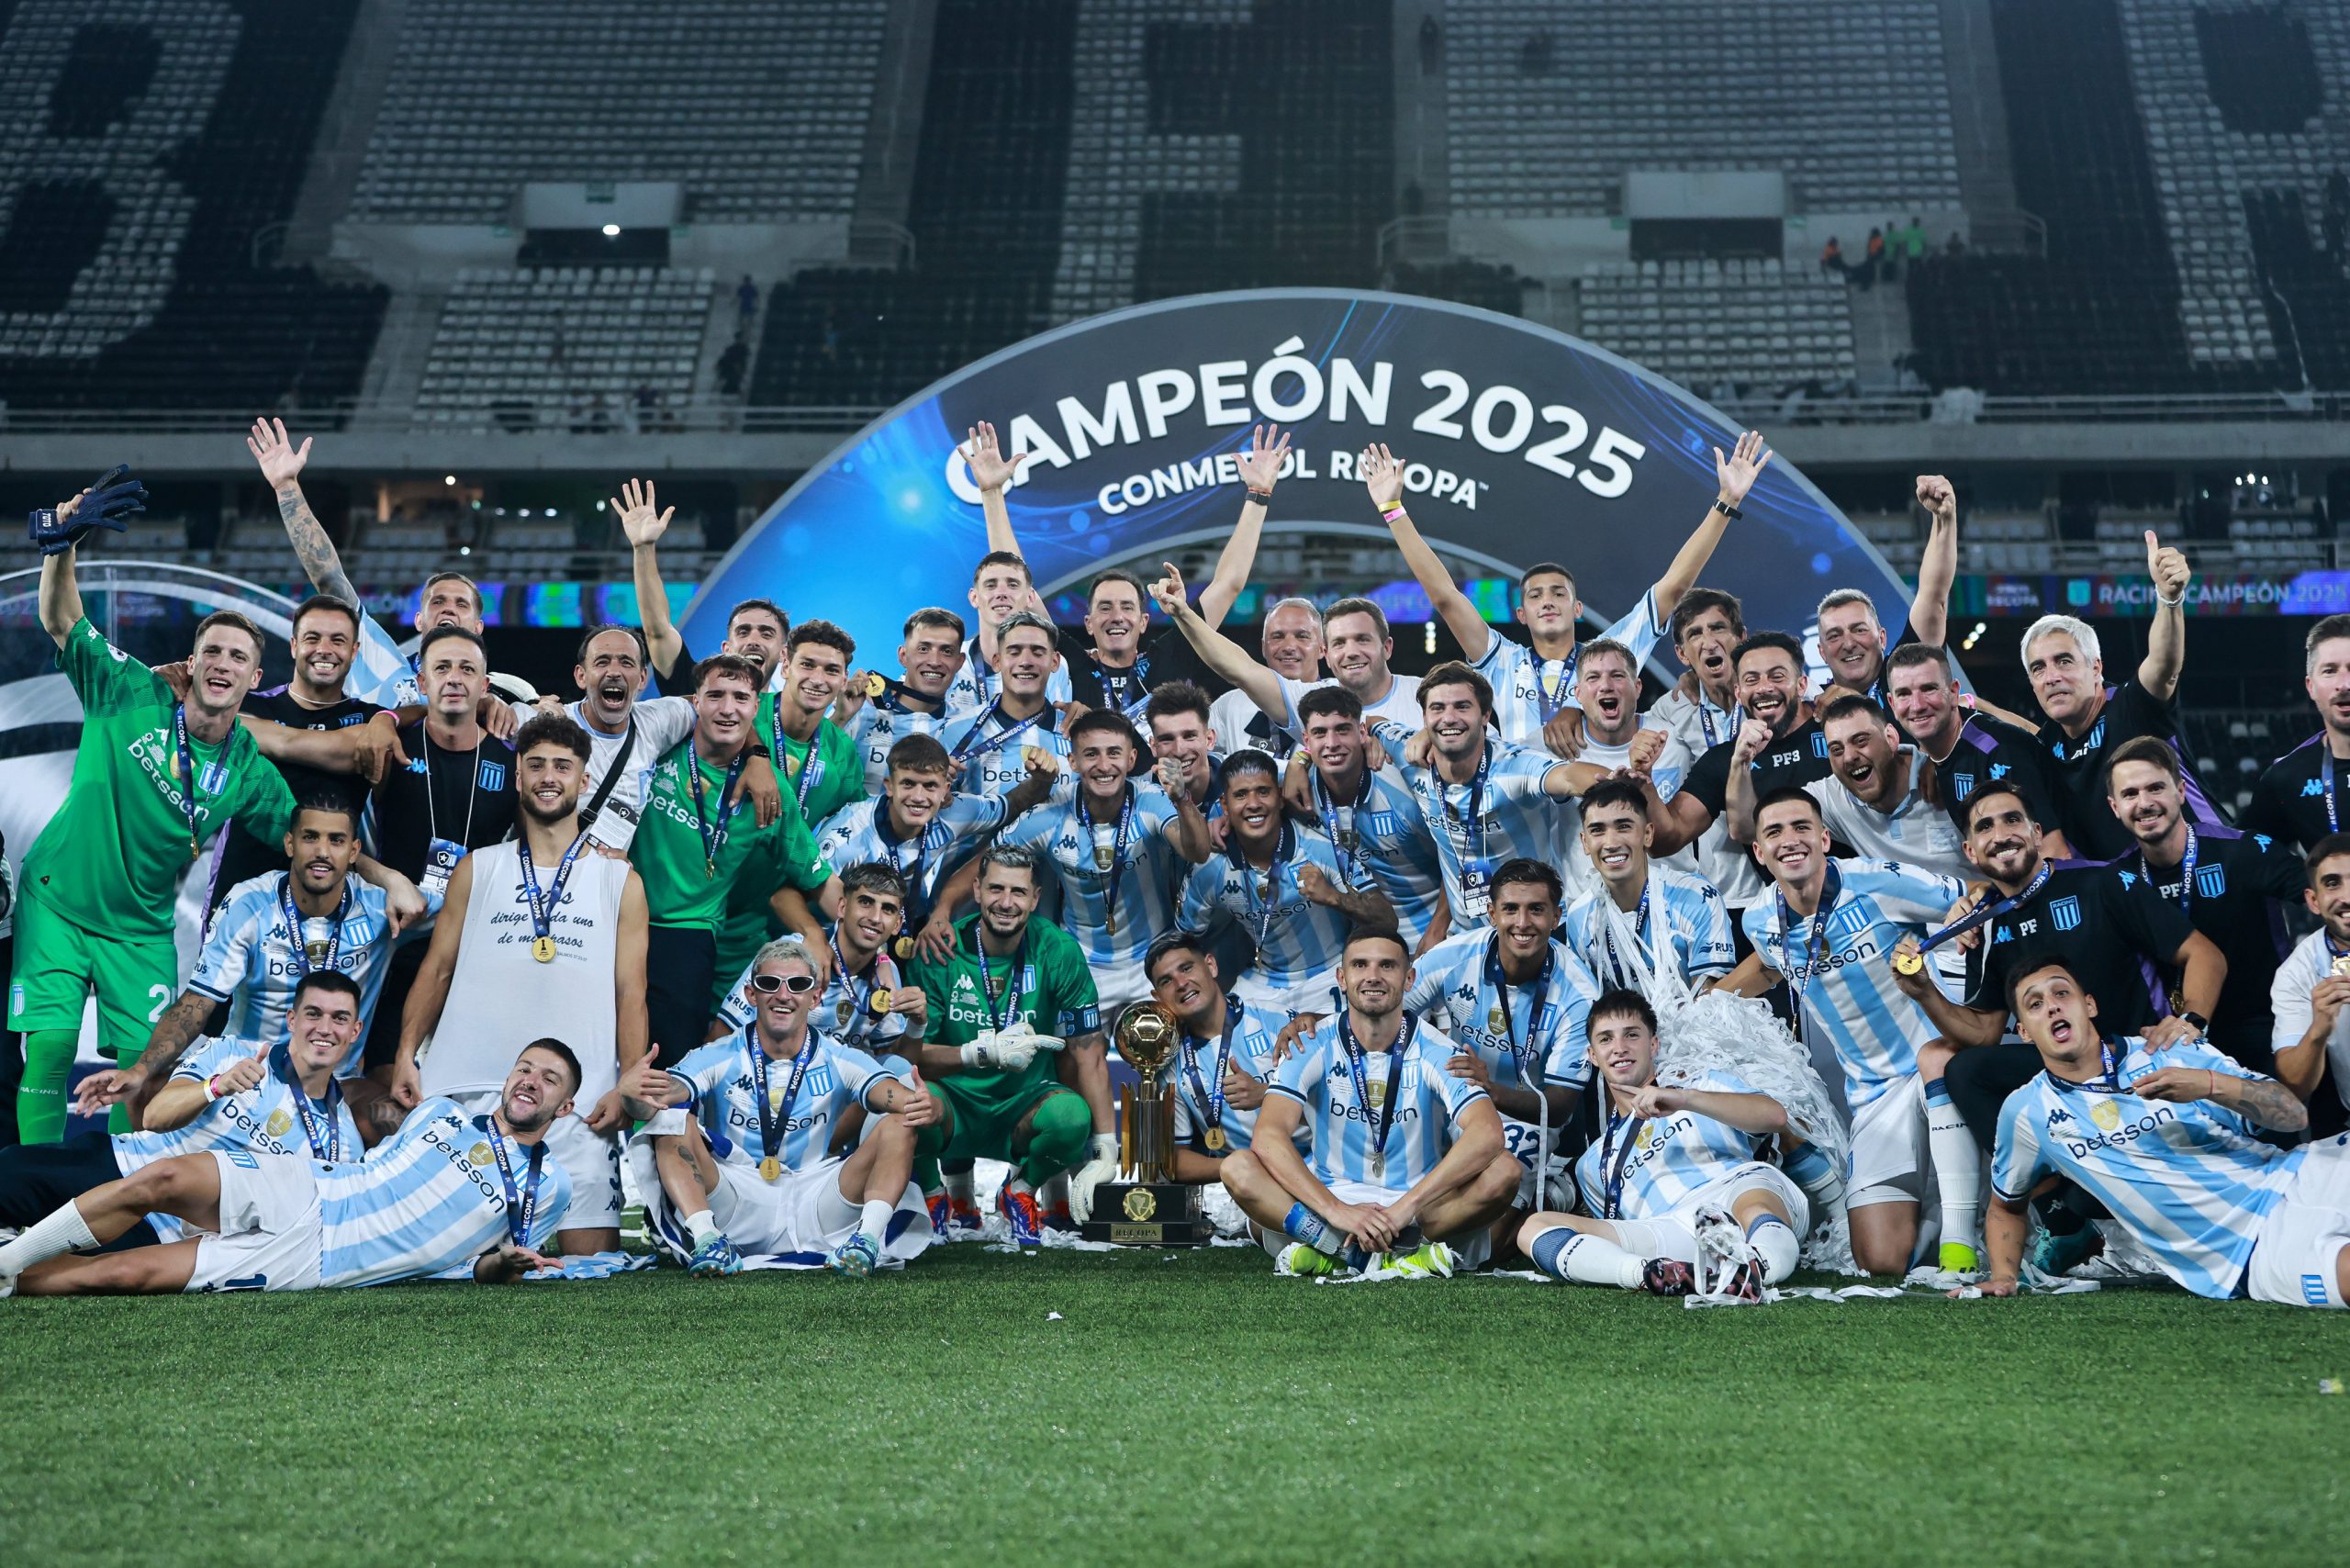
column 800, row 983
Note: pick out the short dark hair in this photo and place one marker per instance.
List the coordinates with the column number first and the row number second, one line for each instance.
column 1696, row 602
column 335, row 982
column 1247, row 760
column 936, row 615
column 322, row 604
column 2325, row 849
column 873, row 877
column 327, row 805
column 917, row 754
column 824, row 634
column 1544, row 570
column 1332, row 699
column 556, row 1048
column 734, row 665
column 442, row 633
column 1453, row 672
column 1368, row 930
column 1094, row 719
column 1178, row 940
column 1615, row 792
column 1990, row 792
column 1762, row 640
column 1782, row 796
column 1172, row 697
column 1001, row 558
column 2143, row 748
column 553, row 728
column 1118, row 575
column 230, row 618
column 588, row 640
column 1358, row 605
column 1609, row 647
column 1620, row 1001
column 2034, row 959
column 1523, row 868
column 1915, row 653
column 769, row 605
column 1848, row 704
column 2328, row 627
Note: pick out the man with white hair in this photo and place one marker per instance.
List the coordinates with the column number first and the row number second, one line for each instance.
column 1291, row 641
column 2087, row 719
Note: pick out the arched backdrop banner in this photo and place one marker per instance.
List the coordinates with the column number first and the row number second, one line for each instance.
column 1525, row 445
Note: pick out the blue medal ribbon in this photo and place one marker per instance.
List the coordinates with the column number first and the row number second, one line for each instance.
column 324, row 1132
column 997, row 1020
column 2325, row 772
column 1541, row 987
column 1121, row 836
column 1830, row 892
column 542, row 908
column 713, row 834
column 1213, row 1098
column 1612, row 1165
column 2186, row 871
column 1550, row 698
column 1262, row 909
column 1378, row 1120
column 1347, row 843
column 293, row 915
column 913, row 877
column 522, row 1205
column 977, row 737
column 184, row 774
column 1640, row 934
column 775, row 1119
column 1990, row 912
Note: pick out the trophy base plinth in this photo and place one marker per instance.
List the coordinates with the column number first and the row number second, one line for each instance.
column 1148, row 1213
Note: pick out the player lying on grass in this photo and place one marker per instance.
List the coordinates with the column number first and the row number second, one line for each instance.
column 741, row 1132
column 442, row 1193
column 1408, row 1162
column 2167, row 1140
column 1670, row 1174
column 227, row 1094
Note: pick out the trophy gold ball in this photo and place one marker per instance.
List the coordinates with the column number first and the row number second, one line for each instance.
column 1145, row 1037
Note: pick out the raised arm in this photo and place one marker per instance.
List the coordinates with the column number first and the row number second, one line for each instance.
column 2166, row 639
column 1734, row 476
column 1382, row 476
column 991, row 472
column 60, row 596
column 1938, row 568
column 1258, row 471
column 281, row 465
column 643, row 526
column 1217, row 651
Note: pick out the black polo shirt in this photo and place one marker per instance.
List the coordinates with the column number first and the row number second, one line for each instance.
column 244, row 856
column 2242, row 883
column 2114, row 930
column 2290, row 802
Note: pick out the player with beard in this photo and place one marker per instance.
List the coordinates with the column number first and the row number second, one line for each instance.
column 879, row 712
column 2299, row 799
column 1406, row 1161
column 445, row 1194
column 1534, row 687
column 2311, row 1039
column 1290, row 640
column 1669, row 1175
column 997, row 745
column 1852, row 642
column 539, row 935
column 1228, row 1053
column 1281, row 885
column 2087, row 719
column 1875, row 796
column 1177, row 718
column 1371, row 816
column 1357, row 642
column 863, row 1001
column 1968, row 748
column 1644, row 918
column 1778, row 746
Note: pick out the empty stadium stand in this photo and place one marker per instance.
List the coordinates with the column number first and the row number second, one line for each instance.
column 1748, row 322
column 566, row 347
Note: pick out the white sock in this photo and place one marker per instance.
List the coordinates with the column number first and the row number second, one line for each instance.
column 1958, row 1168
column 1566, row 1253
column 1054, row 1193
column 62, row 1232
column 960, row 1184
column 701, row 1226
column 1775, row 1242
column 874, row 1221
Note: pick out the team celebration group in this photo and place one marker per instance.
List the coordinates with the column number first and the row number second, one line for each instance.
column 1489, row 968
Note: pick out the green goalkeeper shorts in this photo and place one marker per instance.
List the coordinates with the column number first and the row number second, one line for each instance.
column 984, row 1125
column 59, row 964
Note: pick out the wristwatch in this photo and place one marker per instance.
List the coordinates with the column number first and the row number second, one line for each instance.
column 2189, row 1017
column 1726, row 509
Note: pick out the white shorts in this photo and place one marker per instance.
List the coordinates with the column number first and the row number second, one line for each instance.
column 1888, row 1163
column 1674, row 1234
column 1115, row 985
column 2297, row 1249
column 270, row 1238
column 801, row 1212
column 591, row 1160
column 1468, row 1251
column 1524, row 1141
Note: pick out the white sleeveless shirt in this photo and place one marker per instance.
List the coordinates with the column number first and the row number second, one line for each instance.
column 500, row 999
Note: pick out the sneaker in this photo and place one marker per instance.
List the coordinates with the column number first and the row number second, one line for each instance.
column 1019, row 1210
column 1667, row 1276
column 1304, row 1261
column 1724, row 1255
column 715, row 1259
column 1429, row 1260
column 1058, row 1217
column 942, row 1211
column 855, row 1258
column 2056, row 1256
column 1744, row 1284
column 963, row 1213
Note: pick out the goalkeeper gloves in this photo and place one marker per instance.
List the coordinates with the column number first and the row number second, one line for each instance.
column 109, row 499
column 1101, row 1165
column 1008, row 1049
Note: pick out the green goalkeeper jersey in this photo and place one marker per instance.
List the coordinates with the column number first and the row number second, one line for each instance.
column 1046, row 983
column 111, row 858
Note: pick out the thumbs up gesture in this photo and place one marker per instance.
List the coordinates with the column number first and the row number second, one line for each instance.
column 2167, row 567
column 246, row 1073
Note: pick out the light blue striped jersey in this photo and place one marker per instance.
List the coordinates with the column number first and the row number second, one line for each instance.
column 881, row 723
column 379, row 672
column 1197, row 1079
column 1499, row 813
column 860, row 832
column 429, row 1199
column 725, row 1096
column 1296, row 939
column 1379, row 831
column 1454, row 979
column 989, row 746
column 1652, row 1165
column 1426, row 1105
column 1149, row 879
column 2191, row 1183
column 1527, row 691
column 978, row 683
column 1682, row 924
column 1916, row 832
column 844, row 1013
column 1843, row 975
column 254, row 964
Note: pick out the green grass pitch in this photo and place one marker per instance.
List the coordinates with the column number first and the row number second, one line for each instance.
column 1183, row 1408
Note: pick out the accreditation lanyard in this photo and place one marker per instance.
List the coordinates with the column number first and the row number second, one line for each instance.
column 2186, row 871
column 999, row 1016
column 1378, row 1120
column 713, row 833
column 1528, row 1074
column 775, row 1116
column 1616, row 967
column 1473, row 826
column 1613, row 1165
column 544, row 904
column 1115, row 683
column 1117, row 864
column 183, row 775
column 1210, row 1091
column 433, row 806
column 811, row 767
column 1265, row 901
column 324, row 1131
column 522, row 1205
column 1815, row 947
column 1348, row 842
column 293, row 937
column 2325, row 772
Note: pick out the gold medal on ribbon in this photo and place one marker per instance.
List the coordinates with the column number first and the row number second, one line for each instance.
column 879, row 1002
column 1216, row 1140
column 902, row 948
column 542, row 949
column 1909, row 962
column 770, row 1168
column 876, row 684
column 2341, row 967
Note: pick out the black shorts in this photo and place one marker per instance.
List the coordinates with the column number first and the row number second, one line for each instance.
column 39, row 1179
column 680, row 965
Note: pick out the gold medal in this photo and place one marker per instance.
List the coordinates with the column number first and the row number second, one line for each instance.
column 542, row 949
column 1214, row 1140
column 879, row 1002
column 1497, row 1021
column 902, row 948
column 770, row 1168
column 709, row 866
column 2341, row 967
column 1907, row 962
column 876, row 684
column 1110, row 921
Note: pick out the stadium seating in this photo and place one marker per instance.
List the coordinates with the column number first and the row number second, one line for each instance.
column 1753, row 323
column 1548, row 106
column 565, row 347
column 758, row 108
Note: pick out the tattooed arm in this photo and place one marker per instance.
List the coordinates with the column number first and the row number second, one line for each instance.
column 281, row 464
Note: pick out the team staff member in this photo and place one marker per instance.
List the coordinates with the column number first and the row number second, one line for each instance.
column 1290, row 640
column 1969, row 748
column 153, row 778
column 2302, row 796
column 700, row 847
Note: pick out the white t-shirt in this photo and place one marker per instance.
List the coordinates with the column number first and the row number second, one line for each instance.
column 2288, row 999
column 660, row 723
column 1400, row 706
column 1230, row 715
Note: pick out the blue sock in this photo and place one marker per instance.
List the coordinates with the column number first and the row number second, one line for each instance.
column 1935, row 1093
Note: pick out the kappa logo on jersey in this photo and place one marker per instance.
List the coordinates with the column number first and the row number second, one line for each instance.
column 2129, row 880
column 2263, row 840
column 2066, row 914
column 2059, row 1117
column 1999, row 770
column 2312, row 788
column 2211, row 882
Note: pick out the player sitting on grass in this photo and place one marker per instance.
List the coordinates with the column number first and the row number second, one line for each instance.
column 2167, row 1141
column 443, row 1192
column 1228, row 1055
column 1407, row 1162
column 1669, row 1175
column 749, row 1165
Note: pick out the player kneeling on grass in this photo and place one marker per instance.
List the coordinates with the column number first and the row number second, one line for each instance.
column 1226, row 1058
column 1669, row 1179
column 1408, row 1162
column 748, row 1167
column 2167, row 1140
column 442, row 1192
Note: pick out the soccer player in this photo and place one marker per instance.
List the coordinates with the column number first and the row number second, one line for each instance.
column 863, row 1001
column 1968, row 747
column 539, row 935
column 2167, row 1140
column 1669, row 1175
column 1828, row 930
column 2299, row 799
column 1706, row 626
column 154, row 778
column 1121, row 851
column 1280, row 884
column 2232, row 888
column 1357, row 643
column 1177, row 719
column 750, row 1168
column 1852, row 641
column 1371, row 817
column 1513, row 1001
column 2087, row 719
column 1876, row 798
column 698, row 849
column 991, row 745
column 881, row 712
column 1290, row 640
column 1226, row 1058
column 1532, row 687
column 445, row 1192
column 228, row 1093
column 1778, row 746
column 755, row 628
column 1644, row 918
column 1408, row 1167
column 1014, row 1054
column 2310, row 1039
